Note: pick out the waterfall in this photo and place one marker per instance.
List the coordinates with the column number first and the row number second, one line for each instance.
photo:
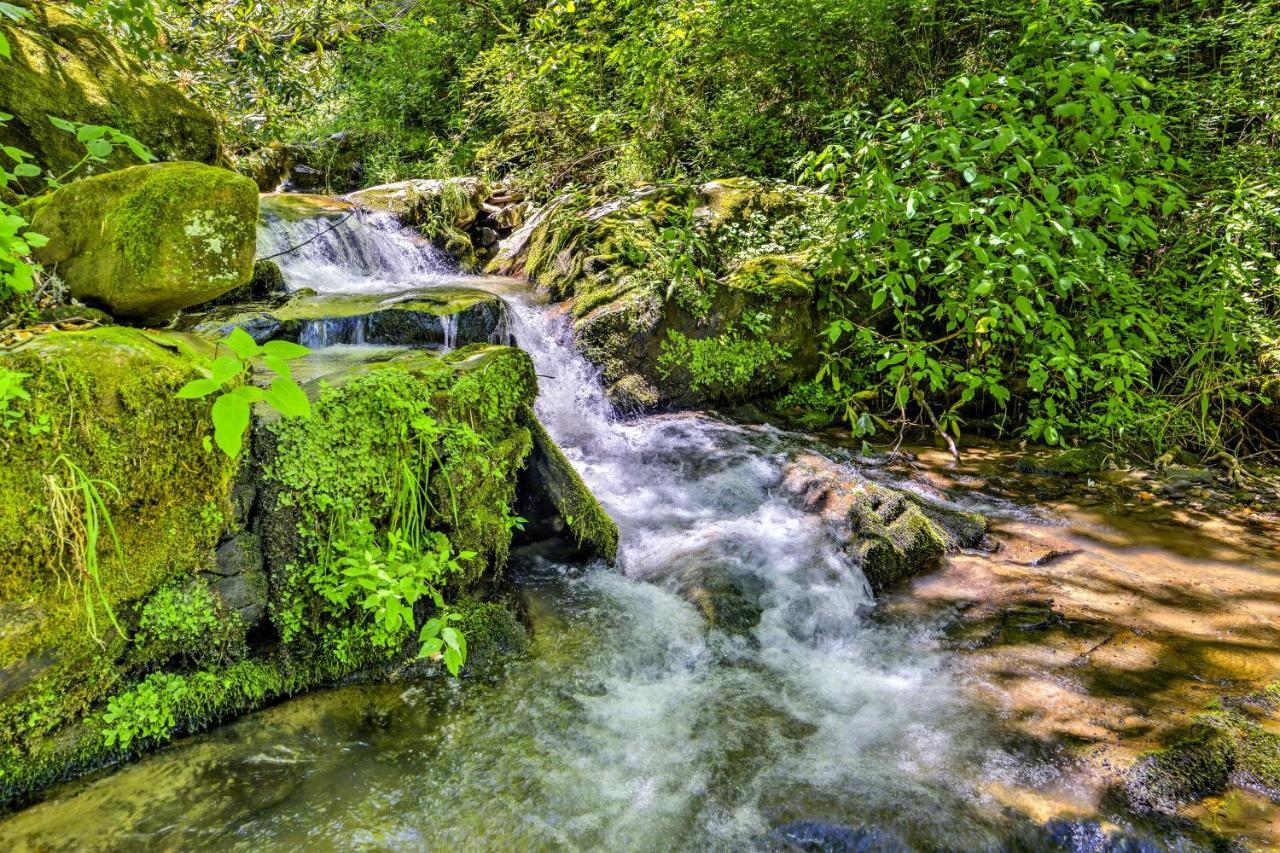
column 342, row 248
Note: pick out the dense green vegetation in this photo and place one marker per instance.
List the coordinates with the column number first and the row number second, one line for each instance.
column 1052, row 220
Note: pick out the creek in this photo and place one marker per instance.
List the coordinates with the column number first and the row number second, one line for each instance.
column 822, row 719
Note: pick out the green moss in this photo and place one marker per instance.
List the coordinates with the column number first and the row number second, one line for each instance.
column 1223, row 746
column 775, row 276
column 493, row 632
column 1072, row 463
column 894, row 536
column 147, row 241
column 592, row 527
column 107, row 399
column 724, row 367
column 70, row 71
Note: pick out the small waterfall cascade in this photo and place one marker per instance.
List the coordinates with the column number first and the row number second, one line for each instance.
column 342, row 248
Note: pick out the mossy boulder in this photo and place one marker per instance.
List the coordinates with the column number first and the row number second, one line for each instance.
column 104, row 402
column 890, row 533
column 213, row 600
column 63, row 69
column 683, row 295
column 147, row 241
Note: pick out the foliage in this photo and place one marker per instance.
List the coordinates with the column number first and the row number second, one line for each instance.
column 183, row 619
column 386, row 576
column 1000, row 242
column 725, row 365
column 227, row 377
column 145, row 712
column 11, row 392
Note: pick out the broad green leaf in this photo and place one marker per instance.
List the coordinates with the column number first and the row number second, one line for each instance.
column 98, row 147
column 230, row 420
column 198, row 388
column 286, row 350
column 224, row 367
column 241, row 343
column 288, row 399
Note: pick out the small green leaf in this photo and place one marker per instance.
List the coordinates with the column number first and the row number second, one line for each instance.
column 288, row 399
column 90, row 132
column 286, row 350
column 98, row 147
column 224, row 367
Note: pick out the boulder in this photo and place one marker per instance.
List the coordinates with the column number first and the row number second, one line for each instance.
column 682, row 295
column 63, row 69
column 147, row 241
column 892, row 534
column 209, row 607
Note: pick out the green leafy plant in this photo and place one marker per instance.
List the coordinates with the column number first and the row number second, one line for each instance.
column 146, row 712
column 11, row 393
column 993, row 237
column 227, row 377
column 384, row 577
column 99, row 142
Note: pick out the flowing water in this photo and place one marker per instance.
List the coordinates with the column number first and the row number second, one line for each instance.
column 631, row 724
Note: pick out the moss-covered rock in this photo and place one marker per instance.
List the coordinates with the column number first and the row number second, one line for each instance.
column 147, row 241
column 103, row 401
column 216, row 595
column 683, row 295
column 1073, row 462
column 64, row 69
column 1233, row 743
column 440, row 209
column 452, row 316
column 592, row 528
column 891, row 534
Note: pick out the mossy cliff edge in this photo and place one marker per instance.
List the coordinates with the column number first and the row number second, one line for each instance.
column 210, row 606
column 683, row 295
column 64, row 69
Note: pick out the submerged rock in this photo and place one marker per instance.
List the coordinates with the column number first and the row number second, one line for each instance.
column 62, row 68
column 682, row 295
column 822, row 837
column 891, row 534
column 1234, row 744
column 147, row 241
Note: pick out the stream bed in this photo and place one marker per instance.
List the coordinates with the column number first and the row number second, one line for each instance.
column 833, row 722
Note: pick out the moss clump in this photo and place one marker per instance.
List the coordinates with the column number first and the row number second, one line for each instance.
column 1223, row 746
column 147, row 241
column 70, row 71
column 105, row 400
column 1075, row 462
column 895, row 536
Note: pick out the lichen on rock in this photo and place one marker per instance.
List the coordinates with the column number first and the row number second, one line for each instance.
column 147, row 241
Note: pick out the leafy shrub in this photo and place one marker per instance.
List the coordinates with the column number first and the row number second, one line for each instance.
column 999, row 237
